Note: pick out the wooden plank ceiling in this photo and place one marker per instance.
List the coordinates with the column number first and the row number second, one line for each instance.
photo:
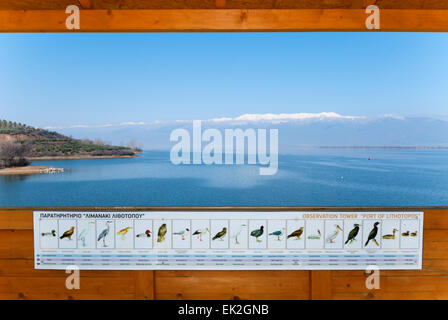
column 222, row 15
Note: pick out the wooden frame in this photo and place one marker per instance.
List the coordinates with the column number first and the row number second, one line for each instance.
column 224, row 20
column 19, row 279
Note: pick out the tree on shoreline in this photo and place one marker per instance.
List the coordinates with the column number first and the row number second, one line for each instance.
column 12, row 154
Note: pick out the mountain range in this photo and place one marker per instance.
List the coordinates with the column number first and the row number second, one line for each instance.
column 295, row 130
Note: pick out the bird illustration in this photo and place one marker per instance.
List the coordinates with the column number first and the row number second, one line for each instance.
column 277, row 233
column 104, row 233
column 221, row 234
column 296, row 234
column 147, row 234
column 182, row 233
column 257, row 233
column 200, row 233
column 161, row 233
column 82, row 237
column 334, row 235
column 237, row 234
column 372, row 234
column 405, row 234
column 68, row 234
column 52, row 233
column 124, row 232
column 390, row 236
column 315, row 236
column 414, row 234
column 353, row 233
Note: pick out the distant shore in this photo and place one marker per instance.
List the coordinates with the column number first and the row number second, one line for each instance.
column 26, row 170
column 373, row 147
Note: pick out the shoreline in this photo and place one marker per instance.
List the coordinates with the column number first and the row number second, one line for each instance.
column 32, row 169
column 80, row 157
column 26, row 170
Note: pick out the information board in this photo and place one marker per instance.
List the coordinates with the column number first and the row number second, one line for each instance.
column 228, row 240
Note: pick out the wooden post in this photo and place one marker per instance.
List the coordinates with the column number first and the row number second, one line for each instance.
column 320, row 285
column 144, row 285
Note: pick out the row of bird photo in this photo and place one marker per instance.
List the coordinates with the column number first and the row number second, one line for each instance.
column 229, row 234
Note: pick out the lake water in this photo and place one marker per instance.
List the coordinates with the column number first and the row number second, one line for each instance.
column 314, row 177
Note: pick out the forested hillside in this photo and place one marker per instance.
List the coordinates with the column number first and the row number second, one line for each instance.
column 19, row 142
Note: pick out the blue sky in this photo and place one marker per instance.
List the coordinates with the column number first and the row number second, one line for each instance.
column 70, row 79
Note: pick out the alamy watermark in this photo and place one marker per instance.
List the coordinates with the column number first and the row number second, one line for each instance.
column 234, row 148
column 373, row 20
column 373, row 280
column 73, row 20
column 73, row 281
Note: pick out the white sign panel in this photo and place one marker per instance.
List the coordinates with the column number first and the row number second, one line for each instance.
column 213, row 240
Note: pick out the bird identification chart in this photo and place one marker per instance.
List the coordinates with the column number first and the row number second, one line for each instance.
column 216, row 240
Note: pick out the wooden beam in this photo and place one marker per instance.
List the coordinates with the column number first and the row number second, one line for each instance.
column 85, row 4
column 211, row 4
column 223, row 20
column 232, row 285
column 144, row 284
column 221, row 4
column 320, row 285
column 11, row 220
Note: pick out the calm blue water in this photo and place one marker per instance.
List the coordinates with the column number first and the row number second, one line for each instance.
column 309, row 178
